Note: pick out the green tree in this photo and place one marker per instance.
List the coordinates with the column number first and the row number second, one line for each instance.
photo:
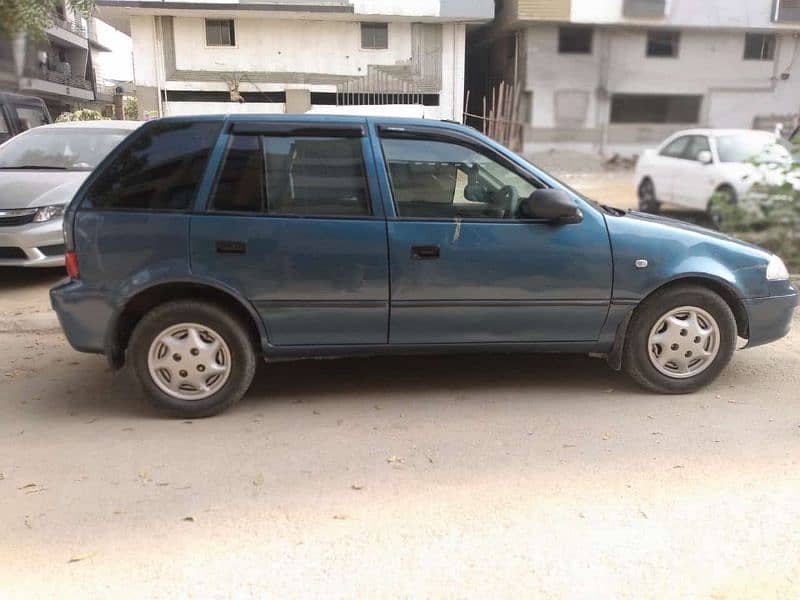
column 130, row 106
column 32, row 17
column 83, row 114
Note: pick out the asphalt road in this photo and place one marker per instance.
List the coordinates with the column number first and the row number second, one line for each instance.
column 459, row 476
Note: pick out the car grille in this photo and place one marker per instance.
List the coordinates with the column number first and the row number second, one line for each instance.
column 9, row 252
column 18, row 216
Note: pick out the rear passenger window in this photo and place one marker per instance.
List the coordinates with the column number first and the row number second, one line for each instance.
column 294, row 176
column 160, row 170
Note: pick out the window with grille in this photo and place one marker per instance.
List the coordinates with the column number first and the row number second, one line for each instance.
column 375, row 36
column 220, row 32
column 759, row 46
column 663, row 44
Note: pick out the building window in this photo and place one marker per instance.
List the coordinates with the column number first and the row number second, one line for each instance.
column 759, row 46
column 375, row 36
column 575, row 40
column 647, row 108
column 220, row 32
column 663, row 44
column 786, row 11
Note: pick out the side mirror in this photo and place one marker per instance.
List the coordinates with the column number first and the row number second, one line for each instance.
column 704, row 156
column 556, row 206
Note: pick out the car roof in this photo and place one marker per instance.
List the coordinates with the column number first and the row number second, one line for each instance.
column 104, row 124
column 719, row 132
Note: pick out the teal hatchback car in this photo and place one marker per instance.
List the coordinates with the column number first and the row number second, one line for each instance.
column 201, row 244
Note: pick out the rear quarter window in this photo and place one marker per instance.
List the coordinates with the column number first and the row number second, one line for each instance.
column 159, row 169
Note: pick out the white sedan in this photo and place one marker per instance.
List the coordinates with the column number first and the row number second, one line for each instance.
column 40, row 171
column 692, row 166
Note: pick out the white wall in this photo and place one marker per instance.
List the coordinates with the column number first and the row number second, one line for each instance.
column 144, row 53
column 288, row 45
column 688, row 13
column 221, row 108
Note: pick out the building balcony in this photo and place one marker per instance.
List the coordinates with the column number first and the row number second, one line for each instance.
column 69, row 33
column 56, row 84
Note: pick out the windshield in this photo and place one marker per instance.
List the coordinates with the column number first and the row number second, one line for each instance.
column 69, row 149
column 760, row 148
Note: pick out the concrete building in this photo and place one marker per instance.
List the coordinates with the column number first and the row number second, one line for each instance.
column 275, row 56
column 620, row 75
column 61, row 68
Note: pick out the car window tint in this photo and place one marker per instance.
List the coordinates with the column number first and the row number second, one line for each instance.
column 240, row 186
column 676, row 148
column 433, row 179
column 315, row 176
column 697, row 144
column 160, row 170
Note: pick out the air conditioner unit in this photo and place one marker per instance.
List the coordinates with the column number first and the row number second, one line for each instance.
column 651, row 9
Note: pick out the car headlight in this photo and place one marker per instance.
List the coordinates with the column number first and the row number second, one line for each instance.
column 48, row 213
column 776, row 270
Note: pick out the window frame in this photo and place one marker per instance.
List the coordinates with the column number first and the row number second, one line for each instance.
column 669, row 143
column 773, row 46
column 559, row 42
column 675, row 41
column 267, row 129
column 423, row 134
column 374, row 25
column 201, row 194
column 232, row 32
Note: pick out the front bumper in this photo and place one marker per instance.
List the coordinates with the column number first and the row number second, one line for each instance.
column 32, row 245
column 770, row 318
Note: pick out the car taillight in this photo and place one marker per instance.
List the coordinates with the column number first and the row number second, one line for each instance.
column 71, row 262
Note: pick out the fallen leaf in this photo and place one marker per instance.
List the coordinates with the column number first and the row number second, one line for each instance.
column 80, row 557
column 2, row 476
column 188, row 519
column 28, row 523
column 92, row 420
column 656, row 433
column 568, row 445
column 644, row 514
column 394, row 460
column 316, row 412
column 732, row 402
column 259, row 480
column 678, row 467
column 188, row 422
column 27, row 486
column 340, row 517
column 609, row 390
column 357, row 487
column 606, row 436
column 119, row 511
column 128, row 429
column 581, row 515
column 162, row 483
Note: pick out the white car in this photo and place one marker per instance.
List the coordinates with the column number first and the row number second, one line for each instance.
column 40, row 171
column 692, row 166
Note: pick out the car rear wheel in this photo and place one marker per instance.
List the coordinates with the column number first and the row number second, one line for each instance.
column 679, row 340
column 193, row 359
column 647, row 197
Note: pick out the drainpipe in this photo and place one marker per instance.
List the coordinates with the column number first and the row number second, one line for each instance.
column 602, row 97
column 158, row 54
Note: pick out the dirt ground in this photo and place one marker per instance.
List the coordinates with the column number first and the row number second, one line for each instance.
column 459, row 476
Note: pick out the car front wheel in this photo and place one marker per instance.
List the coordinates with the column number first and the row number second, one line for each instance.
column 679, row 340
column 193, row 359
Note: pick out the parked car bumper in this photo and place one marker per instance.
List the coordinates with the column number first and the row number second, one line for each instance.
column 770, row 318
column 85, row 316
column 32, row 245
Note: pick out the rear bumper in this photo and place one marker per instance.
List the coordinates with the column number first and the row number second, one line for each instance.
column 84, row 316
column 771, row 318
column 32, row 245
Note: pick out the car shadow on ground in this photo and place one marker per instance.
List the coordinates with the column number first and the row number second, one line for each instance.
column 93, row 390
column 20, row 278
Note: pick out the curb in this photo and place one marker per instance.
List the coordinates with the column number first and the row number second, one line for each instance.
column 34, row 323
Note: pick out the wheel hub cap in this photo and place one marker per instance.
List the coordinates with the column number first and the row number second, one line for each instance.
column 684, row 342
column 189, row 361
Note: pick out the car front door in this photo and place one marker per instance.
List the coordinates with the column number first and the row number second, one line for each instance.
column 693, row 178
column 464, row 268
column 291, row 224
column 665, row 164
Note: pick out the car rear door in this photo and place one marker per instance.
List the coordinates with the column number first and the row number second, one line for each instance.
column 294, row 223
column 464, row 268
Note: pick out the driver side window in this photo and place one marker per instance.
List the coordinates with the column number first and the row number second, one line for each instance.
column 444, row 180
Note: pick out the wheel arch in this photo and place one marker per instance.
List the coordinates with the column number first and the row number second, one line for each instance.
column 136, row 306
column 721, row 288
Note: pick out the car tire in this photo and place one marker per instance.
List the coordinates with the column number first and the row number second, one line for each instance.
column 663, row 337
column 648, row 201
column 193, row 359
column 724, row 194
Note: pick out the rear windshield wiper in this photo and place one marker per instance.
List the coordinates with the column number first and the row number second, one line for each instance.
column 35, row 167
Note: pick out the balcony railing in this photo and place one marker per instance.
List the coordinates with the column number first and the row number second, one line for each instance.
column 71, row 26
column 63, row 79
